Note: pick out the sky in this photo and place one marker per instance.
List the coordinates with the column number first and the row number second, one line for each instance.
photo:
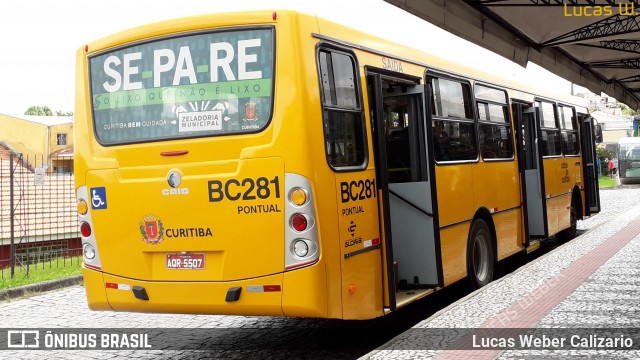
column 39, row 39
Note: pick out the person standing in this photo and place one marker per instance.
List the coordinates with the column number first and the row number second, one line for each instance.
column 612, row 168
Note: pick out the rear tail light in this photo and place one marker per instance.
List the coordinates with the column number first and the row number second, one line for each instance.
column 300, row 248
column 298, row 196
column 89, row 246
column 82, row 207
column 299, row 222
column 85, row 229
column 301, row 236
column 89, row 251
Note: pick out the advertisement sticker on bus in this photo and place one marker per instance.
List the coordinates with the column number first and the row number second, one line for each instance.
column 202, row 84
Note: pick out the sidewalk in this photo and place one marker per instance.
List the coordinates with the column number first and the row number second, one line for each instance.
column 585, row 289
column 43, row 286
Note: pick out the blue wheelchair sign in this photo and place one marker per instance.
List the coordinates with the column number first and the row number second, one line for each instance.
column 99, row 198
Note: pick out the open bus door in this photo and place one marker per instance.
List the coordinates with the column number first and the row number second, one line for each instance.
column 590, row 176
column 407, row 192
column 532, row 172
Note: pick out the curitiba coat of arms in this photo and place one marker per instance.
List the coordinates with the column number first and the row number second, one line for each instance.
column 152, row 229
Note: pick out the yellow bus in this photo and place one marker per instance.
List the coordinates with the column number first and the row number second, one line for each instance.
column 275, row 163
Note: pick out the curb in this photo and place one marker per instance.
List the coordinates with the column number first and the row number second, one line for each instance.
column 20, row 291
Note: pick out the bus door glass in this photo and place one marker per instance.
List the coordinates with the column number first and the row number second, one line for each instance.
column 533, row 172
column 592, row 194
column 407, row 182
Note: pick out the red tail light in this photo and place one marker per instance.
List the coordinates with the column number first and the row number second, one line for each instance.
column 299, row 222
column 85, row 229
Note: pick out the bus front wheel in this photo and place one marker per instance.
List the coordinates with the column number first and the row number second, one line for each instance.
column 480, row 257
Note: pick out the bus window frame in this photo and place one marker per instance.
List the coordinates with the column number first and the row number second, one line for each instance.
column 429, row 74
column 508, row 123
column 267, row 124
column 538, row 103
column 330, row 47
column 576, row 130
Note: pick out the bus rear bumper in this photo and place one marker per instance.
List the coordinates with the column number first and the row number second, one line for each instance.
column 258, row 296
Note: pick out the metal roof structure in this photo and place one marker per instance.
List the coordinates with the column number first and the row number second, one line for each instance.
column 592, row 43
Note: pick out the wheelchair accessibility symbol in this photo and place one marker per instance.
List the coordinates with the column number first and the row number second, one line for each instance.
column 99, row 198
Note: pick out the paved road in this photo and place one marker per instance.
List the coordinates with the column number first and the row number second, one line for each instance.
column 258, row 337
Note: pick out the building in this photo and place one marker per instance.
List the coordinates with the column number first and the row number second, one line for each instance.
column 37, row 213
column 40, row 140
column 614, row 127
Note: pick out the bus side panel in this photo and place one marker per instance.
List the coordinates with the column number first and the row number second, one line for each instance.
column 551, row 180
column 453, row 242
column 95, row 289
column 560, row 179
column 571, row 175
column 455, row 205
column 360, row 243
column 455, row 193
column 305, row 292
column 497, row 188
column 508, row 225
column 362, row 286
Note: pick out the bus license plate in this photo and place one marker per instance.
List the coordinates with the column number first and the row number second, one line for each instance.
column 185, row 261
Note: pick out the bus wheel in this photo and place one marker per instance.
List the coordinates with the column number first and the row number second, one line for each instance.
column 480, row 256
column 570, row 232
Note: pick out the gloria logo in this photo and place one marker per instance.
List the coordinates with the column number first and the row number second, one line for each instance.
column 152, row 229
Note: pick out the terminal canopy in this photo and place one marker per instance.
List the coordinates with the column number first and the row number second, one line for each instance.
column 592, row 43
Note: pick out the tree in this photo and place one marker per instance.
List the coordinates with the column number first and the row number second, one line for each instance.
column 627, row 111
column 39, row 110
column 603, row 154
column 45, row 111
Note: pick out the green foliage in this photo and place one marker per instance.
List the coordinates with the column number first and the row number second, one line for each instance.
column 627, row 111
column 45, row 111
column 605, row 181
column 39, row 110
column 603, row 153
column 55, row 269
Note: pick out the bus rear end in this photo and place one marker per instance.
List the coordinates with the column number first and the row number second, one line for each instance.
column 184, row 203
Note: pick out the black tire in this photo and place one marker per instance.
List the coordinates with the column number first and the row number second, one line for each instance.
column 570, row 232
column 480, row 255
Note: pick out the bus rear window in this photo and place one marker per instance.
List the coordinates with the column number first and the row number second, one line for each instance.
column 197, row 85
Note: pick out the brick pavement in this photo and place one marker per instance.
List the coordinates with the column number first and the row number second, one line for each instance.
column 591, row 282
column 614, row 287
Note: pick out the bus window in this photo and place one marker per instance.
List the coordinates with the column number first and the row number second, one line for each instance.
column 569, row 128
column 132, row 105
column 496, row 139
column 629, row 160
column 454, row 135
column 404, row 160
column 551, row 140
column 344, row 129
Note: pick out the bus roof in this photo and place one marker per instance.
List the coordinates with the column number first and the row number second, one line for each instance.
column 339, row 32
column 436, row 62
